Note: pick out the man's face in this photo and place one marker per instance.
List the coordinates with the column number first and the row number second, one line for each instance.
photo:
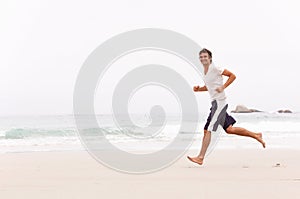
column 204, row 58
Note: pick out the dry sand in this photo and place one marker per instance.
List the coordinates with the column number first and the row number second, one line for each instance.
column 240, row 173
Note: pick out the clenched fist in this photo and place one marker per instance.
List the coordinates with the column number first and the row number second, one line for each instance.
column 220, row 89
column 196, row 88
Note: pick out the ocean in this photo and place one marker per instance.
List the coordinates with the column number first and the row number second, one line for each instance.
column 59, row 132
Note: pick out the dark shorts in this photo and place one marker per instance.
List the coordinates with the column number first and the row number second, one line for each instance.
column 229, row 120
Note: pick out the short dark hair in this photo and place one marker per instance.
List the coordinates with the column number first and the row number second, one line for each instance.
column 204, row 50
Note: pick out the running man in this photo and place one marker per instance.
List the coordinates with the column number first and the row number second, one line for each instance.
column 213, row 79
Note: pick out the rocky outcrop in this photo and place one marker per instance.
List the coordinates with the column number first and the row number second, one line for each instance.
column 243, row 109
column 284, row 111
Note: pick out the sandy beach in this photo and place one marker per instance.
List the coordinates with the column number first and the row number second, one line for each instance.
column 228, row 173
column 149, row 76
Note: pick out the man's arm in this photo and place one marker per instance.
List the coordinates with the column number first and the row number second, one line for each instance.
column 231, row 78
column 198, row 88
column 203, row 88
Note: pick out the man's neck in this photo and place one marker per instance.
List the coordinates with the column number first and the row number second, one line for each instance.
column 206, row 65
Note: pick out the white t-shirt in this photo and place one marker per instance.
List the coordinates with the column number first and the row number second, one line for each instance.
column 214, row 79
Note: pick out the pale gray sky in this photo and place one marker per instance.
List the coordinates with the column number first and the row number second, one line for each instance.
column 44, row 43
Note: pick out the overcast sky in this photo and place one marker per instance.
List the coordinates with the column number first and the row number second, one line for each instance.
column 44, row 43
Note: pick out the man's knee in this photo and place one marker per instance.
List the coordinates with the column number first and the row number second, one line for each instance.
column 206, row 131
column 230, row 130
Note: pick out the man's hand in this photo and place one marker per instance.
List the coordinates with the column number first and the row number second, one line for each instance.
column 220, row 89
column 196, row 88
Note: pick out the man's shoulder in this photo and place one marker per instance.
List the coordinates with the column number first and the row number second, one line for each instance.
column 218, row 69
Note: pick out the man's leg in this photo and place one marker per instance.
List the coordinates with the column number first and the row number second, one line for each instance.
column 244, row 132
column 216, row 117
column 205, row 143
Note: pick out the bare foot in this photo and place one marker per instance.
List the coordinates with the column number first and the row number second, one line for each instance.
column 259, row 138
column 196, row 160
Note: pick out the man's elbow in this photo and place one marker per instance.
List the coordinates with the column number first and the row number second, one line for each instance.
column 233, row 77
